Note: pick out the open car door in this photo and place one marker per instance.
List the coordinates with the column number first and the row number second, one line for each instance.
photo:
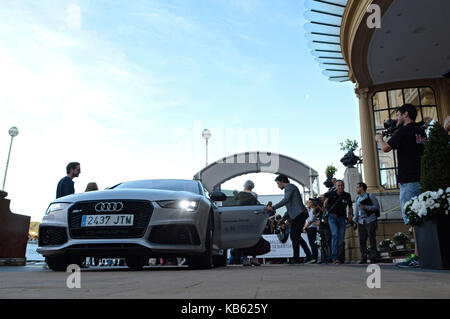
column 239, row 226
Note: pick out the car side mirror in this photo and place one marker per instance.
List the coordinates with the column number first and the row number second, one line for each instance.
column 218, row 196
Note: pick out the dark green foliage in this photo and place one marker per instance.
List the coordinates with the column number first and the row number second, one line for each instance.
column 435, row 165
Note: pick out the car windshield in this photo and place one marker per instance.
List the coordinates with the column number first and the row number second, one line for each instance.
column 163, row 184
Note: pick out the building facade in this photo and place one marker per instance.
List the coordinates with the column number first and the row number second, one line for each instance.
column 402, row 61
column 395, row 52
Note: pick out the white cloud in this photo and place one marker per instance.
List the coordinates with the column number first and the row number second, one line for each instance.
column 73, row 16
column 75, row 98
column 247, row 6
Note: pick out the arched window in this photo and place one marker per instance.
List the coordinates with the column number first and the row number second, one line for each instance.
column 385, row 104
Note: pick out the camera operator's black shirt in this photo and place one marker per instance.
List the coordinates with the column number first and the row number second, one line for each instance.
column 340, row 209
column 409, row 141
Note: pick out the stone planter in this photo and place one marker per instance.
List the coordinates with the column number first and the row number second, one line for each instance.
column 400, row 244
column 433, row 242
column 350, row 159
column 328, row 183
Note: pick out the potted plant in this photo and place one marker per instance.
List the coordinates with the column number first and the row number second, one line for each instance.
column 429, row 212
column 349, row 159
column 329, row 172
column 401, row 239
column 386, row 245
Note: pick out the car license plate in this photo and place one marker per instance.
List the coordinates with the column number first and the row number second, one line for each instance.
column 107, row 220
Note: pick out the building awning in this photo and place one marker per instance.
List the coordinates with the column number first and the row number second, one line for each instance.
column 323, row 35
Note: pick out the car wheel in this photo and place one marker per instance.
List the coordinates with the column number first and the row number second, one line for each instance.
column 135, row 263
column 204, row 261
column 57, row 263
column 220, row 260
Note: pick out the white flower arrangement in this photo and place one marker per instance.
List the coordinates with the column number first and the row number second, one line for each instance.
column 318, row 241
column 400, row 237
column 427, row 205
column 386, row 243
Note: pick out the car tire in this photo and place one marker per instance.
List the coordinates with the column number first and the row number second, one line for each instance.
column 204, row 261
column 135, row 262
column 220, row 260
column 57, row 263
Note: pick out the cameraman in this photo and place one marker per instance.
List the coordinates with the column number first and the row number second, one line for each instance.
column 409, row 141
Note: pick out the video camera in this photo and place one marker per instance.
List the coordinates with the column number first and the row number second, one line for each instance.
column 391, row 127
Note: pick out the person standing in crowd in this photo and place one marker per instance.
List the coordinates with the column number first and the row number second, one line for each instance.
column 247, row 198
column 66, row 186
column 409, row 141
column 310, row 228
column 325, row 234
column 366, row 219
column 296, row 214
column 336, row 204
column 270, row 225
column 91, row 187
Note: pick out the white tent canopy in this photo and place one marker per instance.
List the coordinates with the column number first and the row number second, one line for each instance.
column 222, row 170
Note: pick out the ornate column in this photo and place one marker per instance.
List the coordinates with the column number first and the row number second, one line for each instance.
column 444, row 99
column 367, row 141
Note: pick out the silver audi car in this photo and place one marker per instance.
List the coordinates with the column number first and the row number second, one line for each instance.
column 148, row 218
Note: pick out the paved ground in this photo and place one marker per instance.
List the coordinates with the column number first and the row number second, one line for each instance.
column 267, row 281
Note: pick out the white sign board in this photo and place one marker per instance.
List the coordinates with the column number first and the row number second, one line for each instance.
column 282, row 250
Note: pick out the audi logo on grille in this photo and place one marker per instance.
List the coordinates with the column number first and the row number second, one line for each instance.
column 108, row 207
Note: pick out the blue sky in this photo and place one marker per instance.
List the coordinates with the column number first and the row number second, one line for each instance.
column 126, row 87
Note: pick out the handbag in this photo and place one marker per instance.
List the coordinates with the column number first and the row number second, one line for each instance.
column 368, row 202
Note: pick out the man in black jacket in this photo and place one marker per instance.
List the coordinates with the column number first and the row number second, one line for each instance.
column 296, row 214
column 66, row 186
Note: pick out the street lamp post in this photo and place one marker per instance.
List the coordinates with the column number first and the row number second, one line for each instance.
column 206, row 135
column 13, row 132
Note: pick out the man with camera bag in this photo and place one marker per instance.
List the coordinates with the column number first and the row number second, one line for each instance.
column 336, row 204
column 367, row 211
column 409, row 141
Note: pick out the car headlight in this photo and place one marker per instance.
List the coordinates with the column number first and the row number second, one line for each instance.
column 55, row 207
column 187, row 205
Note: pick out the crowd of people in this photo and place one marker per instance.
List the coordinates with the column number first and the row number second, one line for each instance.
column 324, row 222
column 325, row 219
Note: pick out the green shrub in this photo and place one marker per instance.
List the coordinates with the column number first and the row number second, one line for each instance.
column 349, row 145
column 435, row 164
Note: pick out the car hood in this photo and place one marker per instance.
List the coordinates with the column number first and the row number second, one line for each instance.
column 129, row 193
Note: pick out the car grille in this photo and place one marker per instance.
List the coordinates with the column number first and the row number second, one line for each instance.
column 174, row 235
column 141, row 209
column 51, row 235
